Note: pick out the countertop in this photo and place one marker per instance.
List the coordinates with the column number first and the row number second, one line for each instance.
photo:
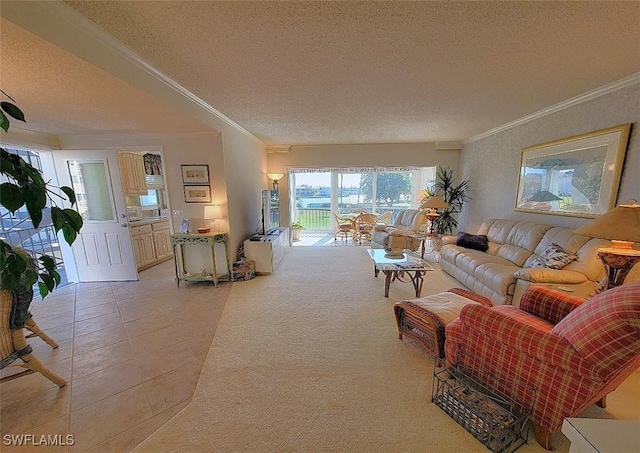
column 148, row 221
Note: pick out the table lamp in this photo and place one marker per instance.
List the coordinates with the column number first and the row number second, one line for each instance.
column 621, row 226
column 211, row 213
column 433, row 204
column 275, row 177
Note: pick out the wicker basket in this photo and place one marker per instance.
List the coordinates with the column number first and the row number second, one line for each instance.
column 497, row 422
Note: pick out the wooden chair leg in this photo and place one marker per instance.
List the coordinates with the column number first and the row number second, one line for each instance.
column 35, row 330
column 543, row 436
column 31, row 362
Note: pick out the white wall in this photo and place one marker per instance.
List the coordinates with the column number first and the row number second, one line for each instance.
column 244, row 172
column 492, row 164
column 340, row 156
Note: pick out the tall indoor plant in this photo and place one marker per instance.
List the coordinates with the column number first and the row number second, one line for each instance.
column 24, row 186
column 455, row 195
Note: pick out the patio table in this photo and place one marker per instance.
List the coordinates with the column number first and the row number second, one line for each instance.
column 407, row 267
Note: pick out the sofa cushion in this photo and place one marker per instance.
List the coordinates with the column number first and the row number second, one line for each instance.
column 494, row 272
column 553, row 257
column 545, row 275
column 473, row 241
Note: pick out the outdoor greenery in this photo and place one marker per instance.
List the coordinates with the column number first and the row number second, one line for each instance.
column 390, row 187
column 454, row 195
column 297, row 225
column 25, row 186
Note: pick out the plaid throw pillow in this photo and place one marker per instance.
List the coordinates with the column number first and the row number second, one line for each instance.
column 553, row 257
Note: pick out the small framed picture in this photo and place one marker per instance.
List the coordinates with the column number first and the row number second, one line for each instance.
column 195, row 174
column 184, row 226
column 197, row 194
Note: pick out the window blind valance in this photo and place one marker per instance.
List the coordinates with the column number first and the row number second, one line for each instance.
column 349, row 170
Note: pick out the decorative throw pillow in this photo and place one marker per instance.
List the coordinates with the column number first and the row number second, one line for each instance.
column 553, row 257
column 473, row 241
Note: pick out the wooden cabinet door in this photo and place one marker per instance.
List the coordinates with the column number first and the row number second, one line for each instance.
column 148, row 250
column 162, row 243
column 126, row 173
column 138, row 250
column 132, row 173
column 139, row 178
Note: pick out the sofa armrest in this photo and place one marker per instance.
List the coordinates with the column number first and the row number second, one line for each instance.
column 522, row 336
column 380, row 227
column 545, row 275
column 548, row 304
column 448, row 240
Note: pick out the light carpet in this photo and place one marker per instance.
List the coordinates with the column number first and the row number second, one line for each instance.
column 308, row 359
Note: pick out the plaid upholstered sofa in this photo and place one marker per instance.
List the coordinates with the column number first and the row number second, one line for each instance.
column 557, row 354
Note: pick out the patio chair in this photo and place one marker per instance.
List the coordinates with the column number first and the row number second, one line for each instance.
column 345, row 227
column 364, row 224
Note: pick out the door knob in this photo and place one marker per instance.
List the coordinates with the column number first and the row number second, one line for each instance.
column 124, row 225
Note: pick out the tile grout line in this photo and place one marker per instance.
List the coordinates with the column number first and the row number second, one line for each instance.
column 146, row 396
column 73, row 358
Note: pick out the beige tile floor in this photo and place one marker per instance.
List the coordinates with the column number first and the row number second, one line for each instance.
column 132, row 353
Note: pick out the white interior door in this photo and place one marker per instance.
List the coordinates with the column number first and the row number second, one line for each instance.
column 103, row 250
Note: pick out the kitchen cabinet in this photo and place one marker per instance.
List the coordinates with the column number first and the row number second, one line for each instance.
column 132, row 173
column 162, row 240
column 151, row 243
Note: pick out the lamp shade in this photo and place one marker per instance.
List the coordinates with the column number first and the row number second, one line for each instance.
column 275, row 176
column 434, row 203
column 212, row 212
column 622, row 223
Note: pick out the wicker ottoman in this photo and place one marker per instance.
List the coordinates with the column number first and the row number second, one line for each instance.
column 424, row 319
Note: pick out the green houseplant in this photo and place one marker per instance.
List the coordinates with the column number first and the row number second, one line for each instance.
column 23, row 185
column 296, row 228
column 455, row 195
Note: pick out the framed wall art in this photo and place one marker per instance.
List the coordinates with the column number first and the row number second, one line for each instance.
column 195, row 174
column 576, row 176
column 197, row 194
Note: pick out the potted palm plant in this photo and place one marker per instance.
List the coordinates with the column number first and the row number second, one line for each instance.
column 455, row 195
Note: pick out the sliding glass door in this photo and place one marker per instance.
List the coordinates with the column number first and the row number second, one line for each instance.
column 317, row 193
column 312, row 199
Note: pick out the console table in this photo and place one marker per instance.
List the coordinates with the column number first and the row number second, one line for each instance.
column 183, row 242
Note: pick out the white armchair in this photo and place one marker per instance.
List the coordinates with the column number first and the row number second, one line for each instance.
column 407, row 222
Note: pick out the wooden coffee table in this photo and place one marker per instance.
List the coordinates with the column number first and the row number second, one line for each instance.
column 407, row 267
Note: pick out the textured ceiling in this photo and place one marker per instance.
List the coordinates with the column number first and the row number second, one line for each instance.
column 368, row 72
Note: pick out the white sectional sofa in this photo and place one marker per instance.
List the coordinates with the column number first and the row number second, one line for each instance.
column 502, row 273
